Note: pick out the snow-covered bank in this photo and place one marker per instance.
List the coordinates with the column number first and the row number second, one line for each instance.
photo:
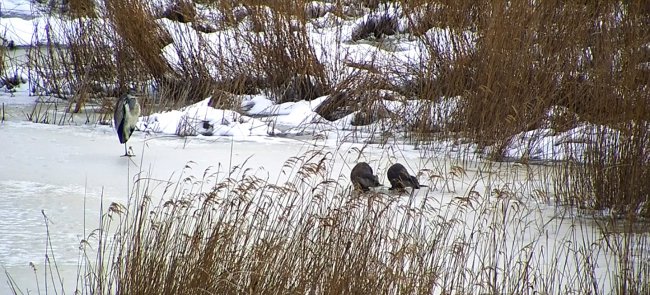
column 261, row 117
column 335, row 43
column 201, row 119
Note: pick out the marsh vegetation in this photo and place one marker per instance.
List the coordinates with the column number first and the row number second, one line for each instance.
column 458, row 80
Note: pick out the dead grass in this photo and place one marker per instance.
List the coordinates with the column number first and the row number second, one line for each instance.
column 528, row 58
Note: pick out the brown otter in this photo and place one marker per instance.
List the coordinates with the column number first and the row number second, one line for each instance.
column 400, row 178
column 363, row 178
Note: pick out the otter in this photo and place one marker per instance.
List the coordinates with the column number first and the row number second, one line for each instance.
column 400, row 178
column 362, row 177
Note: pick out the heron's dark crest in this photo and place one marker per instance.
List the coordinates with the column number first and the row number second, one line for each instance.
column 363, row 178
column 127, row 112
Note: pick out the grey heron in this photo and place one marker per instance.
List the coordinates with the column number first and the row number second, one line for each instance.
column 400, row 178
column 127, row 111
column 363, row 178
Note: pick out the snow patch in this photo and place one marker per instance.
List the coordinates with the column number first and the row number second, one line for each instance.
column 201, row 119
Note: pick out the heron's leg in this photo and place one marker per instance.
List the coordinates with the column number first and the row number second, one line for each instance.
column 126, row 153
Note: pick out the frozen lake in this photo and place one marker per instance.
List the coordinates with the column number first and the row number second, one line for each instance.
column 481, row 227
column 66, row 171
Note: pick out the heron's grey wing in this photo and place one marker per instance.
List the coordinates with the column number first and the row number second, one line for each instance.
column 118, row 119
column 118, row 114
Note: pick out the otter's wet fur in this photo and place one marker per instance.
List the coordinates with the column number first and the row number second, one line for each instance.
column 400, row 178
column 363, row 178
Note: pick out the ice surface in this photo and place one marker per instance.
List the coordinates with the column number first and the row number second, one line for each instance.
column 16, row 8
column 57, row 168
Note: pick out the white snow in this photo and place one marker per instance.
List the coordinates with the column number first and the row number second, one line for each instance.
column 199, row 118
column 40, row 30
column 290, row 114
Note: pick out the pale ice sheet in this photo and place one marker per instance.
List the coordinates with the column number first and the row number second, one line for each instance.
column 16, row 8
column 60, row 168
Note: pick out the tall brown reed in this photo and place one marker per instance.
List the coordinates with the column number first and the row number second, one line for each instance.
column 510, row 63
column 307, row 233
